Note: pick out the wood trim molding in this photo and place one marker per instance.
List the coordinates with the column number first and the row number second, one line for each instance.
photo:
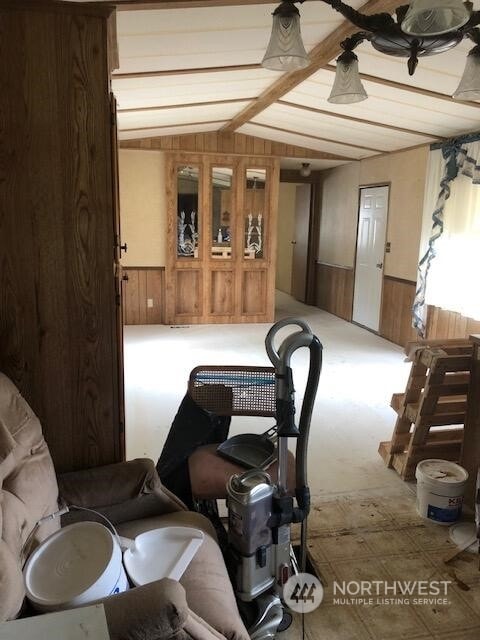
column 184, row 105
column 172, row 126
column 344, row 116
column 143, row 5
column 319, row 56
column 180, row 72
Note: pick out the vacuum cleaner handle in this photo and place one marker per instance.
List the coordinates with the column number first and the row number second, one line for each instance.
column 278, row 359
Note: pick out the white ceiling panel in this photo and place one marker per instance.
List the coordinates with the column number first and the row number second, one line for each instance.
column 175, row 116
column 390, row 106
column 209, row 37
column 345, row 131
column 302, row 141
column 190, row 88
column 169, row 131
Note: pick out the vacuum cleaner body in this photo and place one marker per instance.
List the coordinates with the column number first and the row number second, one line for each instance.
column 260, row 514
column 250, row 538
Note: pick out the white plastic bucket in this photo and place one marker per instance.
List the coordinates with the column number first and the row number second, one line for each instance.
column 440, row 488
column 76, row 565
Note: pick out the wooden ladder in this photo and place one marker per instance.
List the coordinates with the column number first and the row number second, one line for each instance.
column 435, row 396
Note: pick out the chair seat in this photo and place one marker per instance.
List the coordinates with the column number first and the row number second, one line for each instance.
column 207, row 585
column 209, row 473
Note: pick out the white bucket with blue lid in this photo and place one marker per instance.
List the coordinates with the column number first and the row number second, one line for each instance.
column 440, row 489
column 76, row 565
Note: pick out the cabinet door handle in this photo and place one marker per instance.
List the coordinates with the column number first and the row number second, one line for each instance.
column 123, row 247
column 379, row 265
column 125, row 277
column 293, row 242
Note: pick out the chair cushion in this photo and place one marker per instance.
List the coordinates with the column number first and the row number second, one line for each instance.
column 209, row 473
column 28, row 491
column 207, row 586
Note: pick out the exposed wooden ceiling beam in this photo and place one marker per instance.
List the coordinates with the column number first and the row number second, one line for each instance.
column 373, row 123
column 410, row 88
column 319, row 56
column 128, row 5
column 184, row 105
column 320, row 138
column 181, row 72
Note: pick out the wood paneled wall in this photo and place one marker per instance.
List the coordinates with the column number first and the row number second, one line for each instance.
column 59, row 339
column 334, row 289
column 396, row 311
column 229, row 143
column 448, row 324
column 144, row 284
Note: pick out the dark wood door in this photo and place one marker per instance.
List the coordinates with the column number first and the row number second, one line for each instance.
column 300, row 243
column 58, row 308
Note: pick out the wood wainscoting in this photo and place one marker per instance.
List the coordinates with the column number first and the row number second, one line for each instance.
column 334, row 290
column 396, row 312
column 443, row 324
column 144, row 284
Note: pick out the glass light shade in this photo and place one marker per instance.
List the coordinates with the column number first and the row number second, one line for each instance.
column 469, row 87
column 285, row 51
column 348, row 87
column 433, row 17
column 305, row 170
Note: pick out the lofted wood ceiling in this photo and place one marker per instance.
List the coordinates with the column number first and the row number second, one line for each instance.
column 194, row 66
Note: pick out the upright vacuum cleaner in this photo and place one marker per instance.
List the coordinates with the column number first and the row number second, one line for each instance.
column 260, row 513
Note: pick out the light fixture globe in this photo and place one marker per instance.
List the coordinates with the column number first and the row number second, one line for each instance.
column 434, row 17
column 305, row 170
column 347, row 87
column 285, row 51
column 469, row 86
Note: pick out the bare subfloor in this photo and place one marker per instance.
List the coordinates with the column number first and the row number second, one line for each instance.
column 363, row 525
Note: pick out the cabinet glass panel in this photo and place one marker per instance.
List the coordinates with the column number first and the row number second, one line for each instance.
column 255, row 207
column 187, row 212
column 221, row 213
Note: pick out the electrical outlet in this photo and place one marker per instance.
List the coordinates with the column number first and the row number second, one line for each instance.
column 149, row 303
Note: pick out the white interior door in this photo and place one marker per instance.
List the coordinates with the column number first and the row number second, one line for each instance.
column 372, row 226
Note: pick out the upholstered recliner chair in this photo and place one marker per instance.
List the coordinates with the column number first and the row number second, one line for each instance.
column 201, row 606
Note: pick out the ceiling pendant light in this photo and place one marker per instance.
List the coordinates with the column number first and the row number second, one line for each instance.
column 347, row 88
column 469, row 86
column 285, row 51
column 434, row 17
column 305, row 169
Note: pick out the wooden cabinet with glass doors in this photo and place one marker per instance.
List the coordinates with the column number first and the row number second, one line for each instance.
column 222, row 216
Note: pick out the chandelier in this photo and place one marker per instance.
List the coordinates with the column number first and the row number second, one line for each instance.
column 422, row 28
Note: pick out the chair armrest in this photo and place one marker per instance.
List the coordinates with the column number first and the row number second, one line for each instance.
column 155, row 611
column 122, row 492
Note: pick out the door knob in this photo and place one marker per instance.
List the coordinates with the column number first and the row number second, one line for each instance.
column 294, row 242
column 379, row 265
